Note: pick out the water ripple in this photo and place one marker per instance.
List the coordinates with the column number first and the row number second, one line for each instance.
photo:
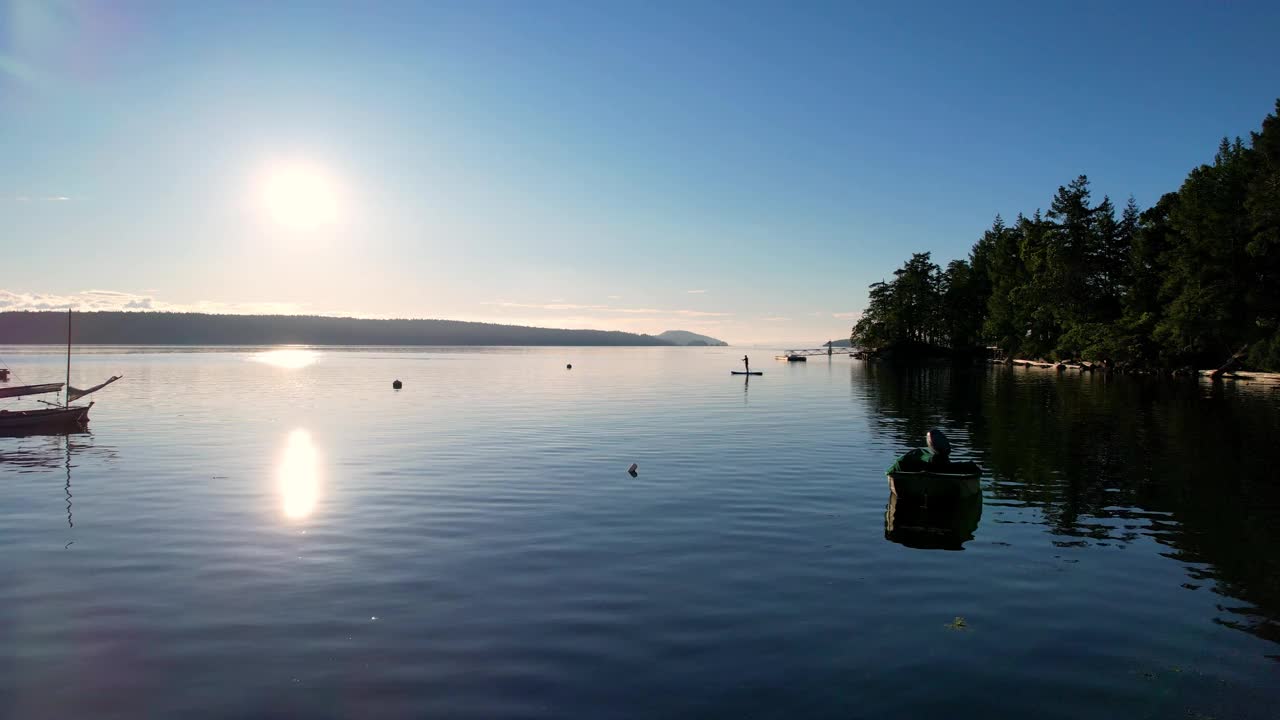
column 476, row 548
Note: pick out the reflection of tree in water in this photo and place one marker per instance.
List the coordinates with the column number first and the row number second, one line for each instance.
column 908, row 402
column 1075, row 447
column 1116, row 458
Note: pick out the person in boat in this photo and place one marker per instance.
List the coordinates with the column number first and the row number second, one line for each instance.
column 746, row 363
column 936, row 456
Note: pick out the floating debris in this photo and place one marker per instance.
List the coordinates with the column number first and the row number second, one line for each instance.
column 569, row 366
column 632, row 470
column 958, row 624
column 397, row 385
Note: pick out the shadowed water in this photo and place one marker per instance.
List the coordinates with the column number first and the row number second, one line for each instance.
column 250, row 535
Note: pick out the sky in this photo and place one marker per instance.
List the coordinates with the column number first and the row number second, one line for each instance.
column 739, row 169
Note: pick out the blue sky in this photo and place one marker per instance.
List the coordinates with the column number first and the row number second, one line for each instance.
column 741, row 169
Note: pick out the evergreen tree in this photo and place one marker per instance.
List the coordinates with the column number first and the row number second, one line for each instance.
column 1207, row 269
column 1001, row 250
column 1263, row 205
column 906, row 309
column 1190, row 280
column 1142, row 307
column 1039, row 301
column 964, row 302
column 1070, row 250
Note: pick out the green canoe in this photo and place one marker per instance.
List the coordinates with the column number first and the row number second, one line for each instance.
column 919, row 473
column 961, row 484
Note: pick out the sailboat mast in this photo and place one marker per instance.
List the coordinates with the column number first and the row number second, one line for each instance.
column 68, row 357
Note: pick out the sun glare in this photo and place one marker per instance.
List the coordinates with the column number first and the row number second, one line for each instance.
column 287, row 358
column 299, row 476
column 300, row 196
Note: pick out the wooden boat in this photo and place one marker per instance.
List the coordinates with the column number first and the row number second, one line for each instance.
column 797, row 358
column 20, row 390
column 57, row 418
column 50, row 420
column 955, row 480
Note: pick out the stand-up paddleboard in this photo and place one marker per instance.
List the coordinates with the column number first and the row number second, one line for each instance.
column 740, row 372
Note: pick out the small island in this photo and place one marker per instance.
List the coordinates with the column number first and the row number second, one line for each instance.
column 690, row 339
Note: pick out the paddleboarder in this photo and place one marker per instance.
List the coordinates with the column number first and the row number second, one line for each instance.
column 746, row 363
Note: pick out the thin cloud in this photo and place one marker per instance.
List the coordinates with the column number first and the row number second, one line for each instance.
column 21, row 72
column 774, row 318
column 847, row 315
column 680, row 313
column 635, row 311
column 106, row 293
column 115, row 301
column 38, row 198
column 546, row 306
column 699, row 313
column 561, row 307
column 695, row 292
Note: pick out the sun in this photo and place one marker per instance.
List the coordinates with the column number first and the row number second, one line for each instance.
column 300, row 196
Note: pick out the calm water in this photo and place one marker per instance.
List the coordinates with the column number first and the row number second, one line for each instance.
column 237, row 538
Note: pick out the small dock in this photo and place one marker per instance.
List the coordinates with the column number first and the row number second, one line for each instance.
column 814, row 352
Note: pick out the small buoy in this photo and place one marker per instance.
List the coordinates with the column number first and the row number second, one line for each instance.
column 397, row 385
column 569, row 366
column 632, row 470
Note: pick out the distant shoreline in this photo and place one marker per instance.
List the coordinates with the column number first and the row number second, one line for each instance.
column 199, row 329
column 80, row 347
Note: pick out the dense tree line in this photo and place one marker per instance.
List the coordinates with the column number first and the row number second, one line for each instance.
column 1191, row 280
column 159, row 328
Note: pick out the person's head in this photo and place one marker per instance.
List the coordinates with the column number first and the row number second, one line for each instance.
column 938, row 443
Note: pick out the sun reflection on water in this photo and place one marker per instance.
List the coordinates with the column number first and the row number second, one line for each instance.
column 299, row 476
column 289, row 358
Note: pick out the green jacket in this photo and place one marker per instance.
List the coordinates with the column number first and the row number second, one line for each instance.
column 917, row 460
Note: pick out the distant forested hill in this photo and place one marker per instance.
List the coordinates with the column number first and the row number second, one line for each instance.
column 684, row 337
column 157, row 328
